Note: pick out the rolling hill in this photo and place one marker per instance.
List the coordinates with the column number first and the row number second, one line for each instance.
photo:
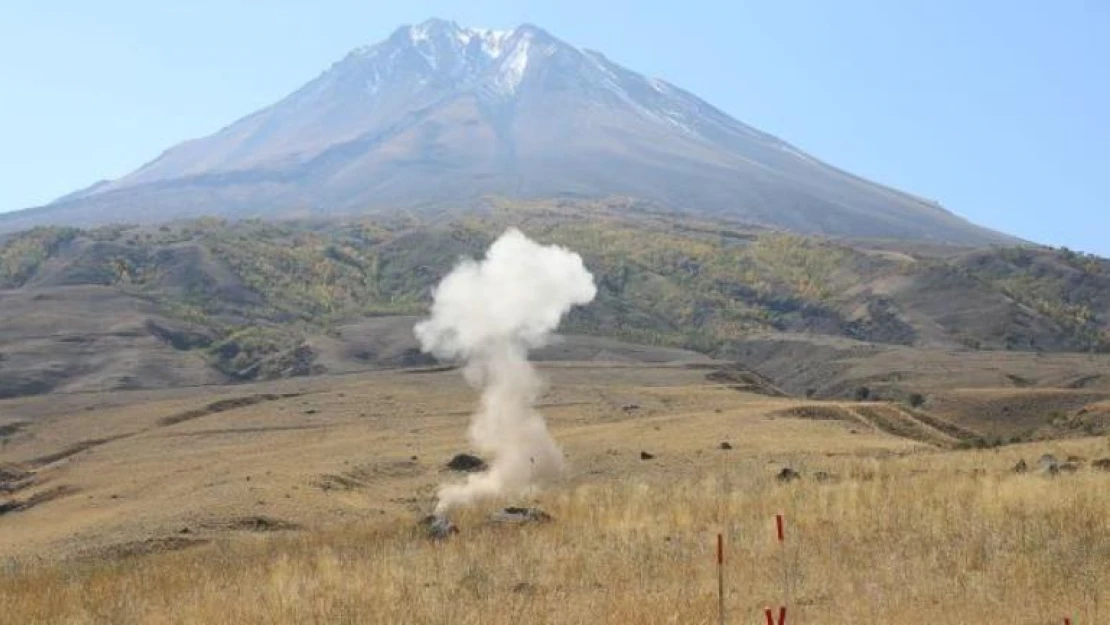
column 205, row 301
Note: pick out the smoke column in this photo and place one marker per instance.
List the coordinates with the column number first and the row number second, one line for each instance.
column 490, row 313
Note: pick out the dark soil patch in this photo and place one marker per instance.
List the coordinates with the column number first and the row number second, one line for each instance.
column 745, row 381
column 250, row 430
column 37, row 499
column 74, row 449
column 788, row 475
column 386, row 469
column 362, row 475
column 817, row 413
column 947, row 427
column 14, row 485
column 438, row 527
column 223, row 405
column 11, row 429
column 179, row 338
column 254, row 524
column 467, row 463
column 437, row 369
column 899, row 423
column 331, row 481
column 152, row 545
column 12, row 473
column 1084, row 381
column 518, row 515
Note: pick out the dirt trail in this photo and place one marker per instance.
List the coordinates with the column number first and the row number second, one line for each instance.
column 890, row 418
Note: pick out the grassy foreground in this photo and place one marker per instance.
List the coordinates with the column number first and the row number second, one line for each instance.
column 928, row 538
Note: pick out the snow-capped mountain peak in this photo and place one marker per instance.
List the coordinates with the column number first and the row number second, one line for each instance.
column 441, row 114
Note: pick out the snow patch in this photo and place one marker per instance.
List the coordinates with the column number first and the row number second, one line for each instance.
column 418, row 33
column 429, row 55
column 513, row 66
column 492, row 42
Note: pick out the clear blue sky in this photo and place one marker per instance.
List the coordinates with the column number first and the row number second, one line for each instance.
column 996, row 108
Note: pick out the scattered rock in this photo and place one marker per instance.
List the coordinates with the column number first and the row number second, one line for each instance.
column 152, row 545
column 259, row 524
column 646, row 456
column 1021, row 466
column 1067, row 467
column 439, row 527
column 521, row 515
column 331, row 481
column 1102, row 464
column 725, row 445
column 788, row 475
column 467, row 463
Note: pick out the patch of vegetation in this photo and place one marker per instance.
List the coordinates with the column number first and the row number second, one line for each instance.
column 256, row 287
column 22, row 254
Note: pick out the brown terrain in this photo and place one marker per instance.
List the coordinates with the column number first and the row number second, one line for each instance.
column 232, row 423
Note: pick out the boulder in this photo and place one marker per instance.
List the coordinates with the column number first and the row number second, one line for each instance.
column 1048, row 462
column 518, row 515
column 439, row 527
column 788, row 475
column 467, row 463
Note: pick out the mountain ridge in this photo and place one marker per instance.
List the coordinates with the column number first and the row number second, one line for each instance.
column 438, row 116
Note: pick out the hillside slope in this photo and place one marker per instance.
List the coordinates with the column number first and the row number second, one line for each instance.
column 255, row 300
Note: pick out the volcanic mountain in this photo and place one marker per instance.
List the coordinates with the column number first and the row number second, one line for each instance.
column 439, row 117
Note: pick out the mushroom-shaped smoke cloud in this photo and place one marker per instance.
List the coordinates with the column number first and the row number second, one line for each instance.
column 490, row 313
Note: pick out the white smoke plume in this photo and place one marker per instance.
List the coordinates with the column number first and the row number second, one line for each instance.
column 490, row 313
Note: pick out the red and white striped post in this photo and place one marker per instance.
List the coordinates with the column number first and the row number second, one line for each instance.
column 720, row 579
column 769, row 614
column 780, row 533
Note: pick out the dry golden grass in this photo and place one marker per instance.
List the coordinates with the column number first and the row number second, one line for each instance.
column 360, row 433
column 918, row 539
column 905, row 534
